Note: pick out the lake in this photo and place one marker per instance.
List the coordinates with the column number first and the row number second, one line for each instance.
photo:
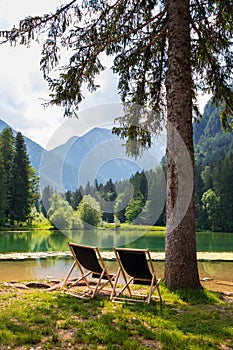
column 44, row 254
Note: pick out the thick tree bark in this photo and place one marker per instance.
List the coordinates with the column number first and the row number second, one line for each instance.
column 181, row 262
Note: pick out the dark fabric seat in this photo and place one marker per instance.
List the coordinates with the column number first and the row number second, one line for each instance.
column 136, row 267
column 89, row 263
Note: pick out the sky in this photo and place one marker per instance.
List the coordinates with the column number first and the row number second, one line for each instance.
column 23, row 90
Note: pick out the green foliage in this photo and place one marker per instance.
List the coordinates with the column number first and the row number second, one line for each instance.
column 74, row 198
column 214, row 196
column 89, row 211
column 207, row 177
column 211, row 142
column 19, row 192
column 121, row 203
column 3, row 193
column 222, row 183
column 106, row 197
column 61, row 213
column 134, row 208
column 77, row 223
column 7, row 153
column 37, row 219
column 45, row 200
column 213, row 172
column 210, row 203
column 19, row 199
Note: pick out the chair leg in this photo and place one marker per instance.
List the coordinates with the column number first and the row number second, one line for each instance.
column 68, row 275
column 115, row 284
column 158, row 289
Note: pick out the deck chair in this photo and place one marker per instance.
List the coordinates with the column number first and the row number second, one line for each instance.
column 89, row 263
column 135, row 266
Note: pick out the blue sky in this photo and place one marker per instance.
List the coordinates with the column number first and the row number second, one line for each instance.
column 22, row 88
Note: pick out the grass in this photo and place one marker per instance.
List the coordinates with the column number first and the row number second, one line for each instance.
column 131, row 227
column 36, row 319
column 45, row 225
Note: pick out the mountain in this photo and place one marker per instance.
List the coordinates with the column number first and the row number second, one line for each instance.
column 96, row 155
column 100, row 155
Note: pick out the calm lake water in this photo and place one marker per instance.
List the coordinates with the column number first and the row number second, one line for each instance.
column 56, row 241
column 56, row 267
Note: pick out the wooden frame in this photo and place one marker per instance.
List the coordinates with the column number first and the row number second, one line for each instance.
column 135, row 267
column 89, row 262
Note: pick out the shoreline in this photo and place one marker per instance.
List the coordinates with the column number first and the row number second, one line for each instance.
column 109, row 255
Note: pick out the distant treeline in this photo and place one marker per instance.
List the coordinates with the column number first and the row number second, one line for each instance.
column 139, row 200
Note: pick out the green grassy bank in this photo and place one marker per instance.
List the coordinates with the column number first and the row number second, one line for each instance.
column 40, row 319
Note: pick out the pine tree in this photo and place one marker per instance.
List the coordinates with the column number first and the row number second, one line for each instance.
column 77, row 197
column 223, row 180
column 3, row 194
column 154, row 208
column 45, row 200
column 7, row 153
column 107, row 200
column 20, row 183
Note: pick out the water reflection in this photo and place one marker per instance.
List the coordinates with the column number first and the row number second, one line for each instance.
column 32, row 241
column 55, row 241
column 46, row 241
column 214, row 242
column 214, row 275
column 15, row 271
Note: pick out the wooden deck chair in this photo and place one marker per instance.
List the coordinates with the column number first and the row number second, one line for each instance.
column 136, row 267
column 89, row 262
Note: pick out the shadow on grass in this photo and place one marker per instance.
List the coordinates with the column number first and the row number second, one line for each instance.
column 185, row 320
column 199, row 296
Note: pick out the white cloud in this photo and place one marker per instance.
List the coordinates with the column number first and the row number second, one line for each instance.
column 22, row 88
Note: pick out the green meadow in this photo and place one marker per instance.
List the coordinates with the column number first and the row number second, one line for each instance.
column 41, row 319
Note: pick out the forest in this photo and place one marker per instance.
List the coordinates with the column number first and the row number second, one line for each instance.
column 213, row 172
column 18, row 181
column 139, row 200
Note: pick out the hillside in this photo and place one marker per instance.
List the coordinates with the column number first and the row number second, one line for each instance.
column 211, row 142
column 213, row 173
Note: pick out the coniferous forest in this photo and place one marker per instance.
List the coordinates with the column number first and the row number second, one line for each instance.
column 18, row 188
column 138, row 200
column 213, row 173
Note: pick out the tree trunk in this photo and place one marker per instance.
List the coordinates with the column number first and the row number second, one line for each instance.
column 180, row 262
